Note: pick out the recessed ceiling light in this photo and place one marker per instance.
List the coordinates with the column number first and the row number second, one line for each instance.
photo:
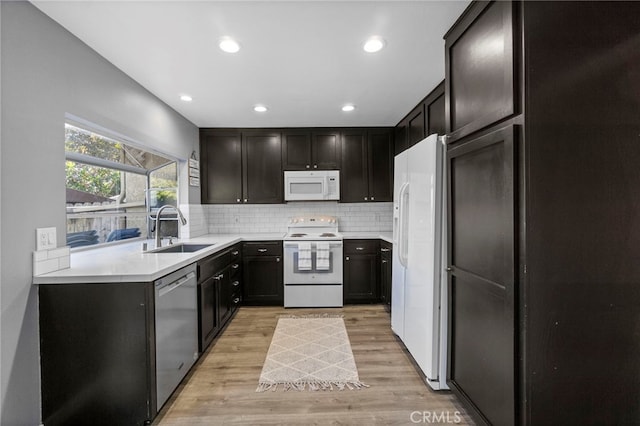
column 186, row 98
column 373, row 44
column 348, row 108
column 260, row 108
column 229, row 45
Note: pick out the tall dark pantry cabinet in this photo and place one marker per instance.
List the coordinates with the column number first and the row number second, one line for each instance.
column 543, row 125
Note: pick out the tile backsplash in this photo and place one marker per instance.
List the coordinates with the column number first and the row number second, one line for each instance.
column 236, row 218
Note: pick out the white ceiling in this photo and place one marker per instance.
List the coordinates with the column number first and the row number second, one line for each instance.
column 302, row 59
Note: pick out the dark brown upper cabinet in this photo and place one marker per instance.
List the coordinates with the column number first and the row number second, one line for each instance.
column 426, row 118
column 325, row 149
column 400, row 138
column 221, row 166
column 296, row 149
column 435, row 113
column 241, row 166
column 479, row 67
column 416, row 125
column 307, row 149
column 262, row 167
column 367, row 165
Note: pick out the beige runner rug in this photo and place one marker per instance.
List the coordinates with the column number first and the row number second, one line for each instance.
column 310, row 352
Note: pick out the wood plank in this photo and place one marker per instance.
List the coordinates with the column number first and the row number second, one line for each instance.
column 220, row 389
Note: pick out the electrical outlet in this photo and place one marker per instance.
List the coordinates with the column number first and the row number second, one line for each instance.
column 46, row 239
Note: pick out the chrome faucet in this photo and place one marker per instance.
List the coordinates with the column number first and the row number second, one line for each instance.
column 181, row 216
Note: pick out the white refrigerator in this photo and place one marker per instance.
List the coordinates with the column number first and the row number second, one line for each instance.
column 418, row 298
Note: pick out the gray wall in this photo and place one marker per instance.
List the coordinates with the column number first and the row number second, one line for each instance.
column 46, row 73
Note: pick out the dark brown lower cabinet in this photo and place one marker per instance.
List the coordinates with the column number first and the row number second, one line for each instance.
column 97, row 353
column 482, row 280
column 386, row 250
column 361, row 268
column 219, row 285
column 262, row 273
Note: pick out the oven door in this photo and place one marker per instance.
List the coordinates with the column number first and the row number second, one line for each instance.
column 300, row 270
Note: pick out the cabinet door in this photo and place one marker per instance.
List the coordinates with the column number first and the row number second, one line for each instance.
column 221, row 167
column 482, row 279
column 325, row 149
column 385, row 274
column 262, row 168
column 400, row 139
column 416, row 125
column 354, row 173
column 480, row 68
column 361, row 278
column 224, row 292
column 380, row 150
column 262, row 280
column 296, row 149
column 435, row 112
column 207, row 313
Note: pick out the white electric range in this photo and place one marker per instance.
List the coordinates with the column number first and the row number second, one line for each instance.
column 312, row 263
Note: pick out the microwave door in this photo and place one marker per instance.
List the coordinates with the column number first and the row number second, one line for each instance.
column 304, row 189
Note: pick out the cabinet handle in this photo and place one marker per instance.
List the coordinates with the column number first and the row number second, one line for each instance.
column 237, row 200
column 346, row 258
column 277, row 259
column 359, row 248
column 384, row 250
column 235, row 266
column 236, row 283
column 366, row 198
column 235, row 252
column 315, row 166
column 262, row 250
column 308, row 166
column 245, row 200
column 219, row 277
column 372, row 199
column 236, row 300
column 449, row 269
column 384, row 261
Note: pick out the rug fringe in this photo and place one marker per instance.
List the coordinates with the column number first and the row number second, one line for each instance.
column 312, row 386
column 325, row 315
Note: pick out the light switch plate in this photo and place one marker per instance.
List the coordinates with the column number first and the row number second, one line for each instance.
column 46, row 239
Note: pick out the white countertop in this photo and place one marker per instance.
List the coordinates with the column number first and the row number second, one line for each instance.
column 126, row 262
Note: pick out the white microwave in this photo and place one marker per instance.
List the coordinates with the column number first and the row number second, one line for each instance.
column 312, row 185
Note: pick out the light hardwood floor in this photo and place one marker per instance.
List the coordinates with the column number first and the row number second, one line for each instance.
column 220, row 389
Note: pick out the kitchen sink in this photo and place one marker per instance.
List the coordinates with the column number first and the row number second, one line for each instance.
column 180, row 248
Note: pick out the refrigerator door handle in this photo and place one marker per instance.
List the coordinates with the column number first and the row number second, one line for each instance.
column 402, row 239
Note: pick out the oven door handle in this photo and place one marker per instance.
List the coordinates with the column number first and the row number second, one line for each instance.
column 294, row 244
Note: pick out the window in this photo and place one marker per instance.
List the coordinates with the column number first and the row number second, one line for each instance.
column 112, row 187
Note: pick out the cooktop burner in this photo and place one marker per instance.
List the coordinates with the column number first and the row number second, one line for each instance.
column 313, row 228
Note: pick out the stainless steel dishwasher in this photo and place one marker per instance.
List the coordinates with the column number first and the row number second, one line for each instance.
column 176, row 316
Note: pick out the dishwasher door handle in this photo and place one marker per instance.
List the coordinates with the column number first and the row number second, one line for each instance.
column 174, row 285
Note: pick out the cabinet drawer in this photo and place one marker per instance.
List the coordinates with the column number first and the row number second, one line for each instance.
column 212, row 264
column 265, row 248
column 236, row 253
column 385, row 250
column 361, row 246
column 236, row 290
column 235, row 271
